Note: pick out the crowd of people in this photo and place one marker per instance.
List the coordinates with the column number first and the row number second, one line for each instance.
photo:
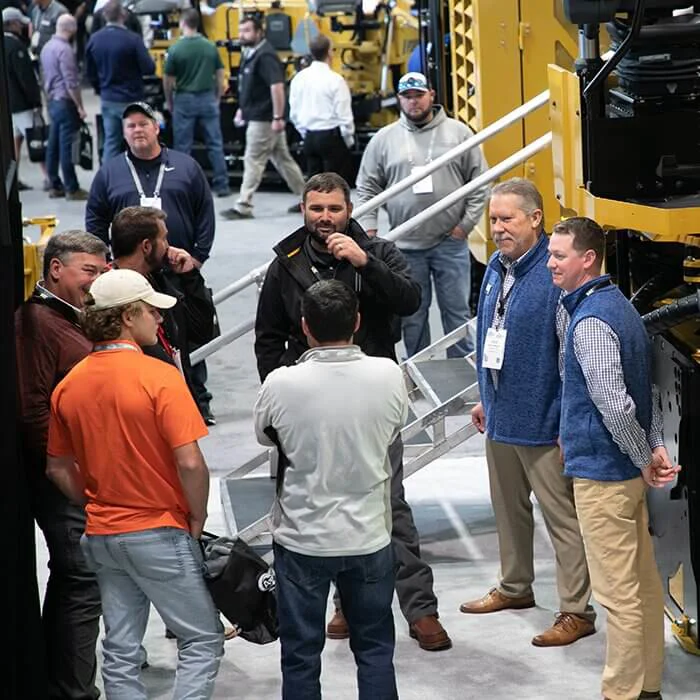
column 118, row 482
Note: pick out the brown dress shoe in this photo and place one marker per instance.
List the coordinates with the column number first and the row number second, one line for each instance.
column 429, row 634
column 338, row 627
column 494, row 600
column 567, row 628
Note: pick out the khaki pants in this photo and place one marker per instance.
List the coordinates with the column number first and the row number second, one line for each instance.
column 615, row 525
column 515, row 472
column 263, row 144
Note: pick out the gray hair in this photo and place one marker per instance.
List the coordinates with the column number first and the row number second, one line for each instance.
column 62, row 245
column 529, row 194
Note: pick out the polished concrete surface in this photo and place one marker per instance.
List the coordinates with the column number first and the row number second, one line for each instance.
column 492, row 656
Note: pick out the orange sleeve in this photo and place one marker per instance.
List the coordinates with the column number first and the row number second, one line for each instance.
column 60, row 443
column 177, row 414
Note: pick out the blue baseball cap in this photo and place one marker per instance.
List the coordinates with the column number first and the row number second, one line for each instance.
column 413, row 81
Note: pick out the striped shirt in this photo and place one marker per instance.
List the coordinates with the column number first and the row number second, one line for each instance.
column 597, row 349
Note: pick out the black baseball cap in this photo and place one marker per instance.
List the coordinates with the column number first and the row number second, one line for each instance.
column 141, row 107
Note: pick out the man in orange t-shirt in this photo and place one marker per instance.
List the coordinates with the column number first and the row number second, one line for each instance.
column 123, row 440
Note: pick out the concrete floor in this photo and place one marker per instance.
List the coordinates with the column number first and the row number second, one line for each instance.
column 492, row 656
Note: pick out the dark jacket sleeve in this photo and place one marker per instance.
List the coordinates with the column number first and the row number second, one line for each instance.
column 91, row 67
column 272, row 324
column 98, row 212
column 146, row 63
column 26, row 77
column 389, row 275
column 198, row 307
column 203, row 210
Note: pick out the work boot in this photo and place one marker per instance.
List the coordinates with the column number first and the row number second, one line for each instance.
column 567, row 628
column 338, row 627
column 77, row 195
column 494, row 601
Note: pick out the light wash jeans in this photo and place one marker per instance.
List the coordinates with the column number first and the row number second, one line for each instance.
column 112, row 124
column 162, row 566
column 448, row 266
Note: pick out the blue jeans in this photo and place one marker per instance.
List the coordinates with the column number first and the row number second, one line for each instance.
column 366, row 587
column 114, row 131
column 190, row 109
column 162, row 566
column 64, row 123
column 446, row 265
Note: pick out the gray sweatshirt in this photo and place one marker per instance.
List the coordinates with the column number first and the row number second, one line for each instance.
column 391, row 155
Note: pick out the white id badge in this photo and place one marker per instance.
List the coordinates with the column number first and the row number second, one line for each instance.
column 424, row 186
column 494, row 348
column 154, row 202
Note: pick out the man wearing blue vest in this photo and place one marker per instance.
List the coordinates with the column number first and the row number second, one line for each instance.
column 612, row 444
column 517, row 354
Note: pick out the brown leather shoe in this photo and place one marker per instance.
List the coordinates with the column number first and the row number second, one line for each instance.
column 494, row 600
column 338, row 627
column 567, row 628
column 429, row 634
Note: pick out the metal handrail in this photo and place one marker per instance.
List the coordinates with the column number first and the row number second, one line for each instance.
column 484, row 179
column 499, row 125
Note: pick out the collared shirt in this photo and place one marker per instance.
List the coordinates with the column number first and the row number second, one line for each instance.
column 336, row 412
column 44, row 23
column 597, row 349
column 59, row 69
column 319, row 100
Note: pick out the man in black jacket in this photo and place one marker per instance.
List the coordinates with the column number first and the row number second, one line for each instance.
column 22, row 83
column 140, row 243
column 331, row 245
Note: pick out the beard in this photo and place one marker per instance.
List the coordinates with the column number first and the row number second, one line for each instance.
column 155, row 260
column 419, row 118
column 327, row 227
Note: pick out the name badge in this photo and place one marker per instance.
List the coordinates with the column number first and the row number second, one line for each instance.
column 154, row 202
column 424, row 186
column 494, row 348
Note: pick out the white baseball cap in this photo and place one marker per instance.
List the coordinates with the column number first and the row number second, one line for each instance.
column 12, row 14
column 121, row 287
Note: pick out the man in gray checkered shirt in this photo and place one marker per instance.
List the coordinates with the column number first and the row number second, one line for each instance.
column 612, row 446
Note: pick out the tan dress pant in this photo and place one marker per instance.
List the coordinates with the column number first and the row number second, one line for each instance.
column 515, row 472
column 263, row 144
column 626, row 582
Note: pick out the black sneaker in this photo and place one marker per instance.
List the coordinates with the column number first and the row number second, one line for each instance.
column 295, row 209
column 223, row 193
column 23, row 186
column 234, row 213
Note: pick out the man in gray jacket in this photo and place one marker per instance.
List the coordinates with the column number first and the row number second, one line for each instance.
column 437, row 252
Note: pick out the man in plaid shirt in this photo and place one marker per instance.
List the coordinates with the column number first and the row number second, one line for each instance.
column 612, row 446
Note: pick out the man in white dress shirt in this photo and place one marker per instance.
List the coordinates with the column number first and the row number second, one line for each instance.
column 320, row 107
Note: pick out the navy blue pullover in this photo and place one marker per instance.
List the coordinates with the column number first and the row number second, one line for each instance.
column 185, row 194
column 524, row 409
column 116, row 60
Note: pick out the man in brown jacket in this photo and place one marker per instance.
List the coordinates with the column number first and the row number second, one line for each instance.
column 49, row 343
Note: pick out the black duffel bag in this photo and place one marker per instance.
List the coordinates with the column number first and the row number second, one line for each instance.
column 242, row 586
column 37, row 137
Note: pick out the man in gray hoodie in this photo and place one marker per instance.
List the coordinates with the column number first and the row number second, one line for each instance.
column 438, row 251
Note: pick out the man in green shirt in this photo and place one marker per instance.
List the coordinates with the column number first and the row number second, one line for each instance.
column 193, row 81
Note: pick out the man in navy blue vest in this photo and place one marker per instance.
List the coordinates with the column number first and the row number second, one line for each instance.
column 612, row 444
column 517, row 355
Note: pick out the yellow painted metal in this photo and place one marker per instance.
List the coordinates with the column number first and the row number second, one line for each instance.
column 34, row 251
column 546, row 38
column 656, row 223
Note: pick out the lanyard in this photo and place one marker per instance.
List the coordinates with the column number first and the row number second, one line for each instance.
column 137, row 181
column 103, row 347
column 600, row 285
column 409, row 147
